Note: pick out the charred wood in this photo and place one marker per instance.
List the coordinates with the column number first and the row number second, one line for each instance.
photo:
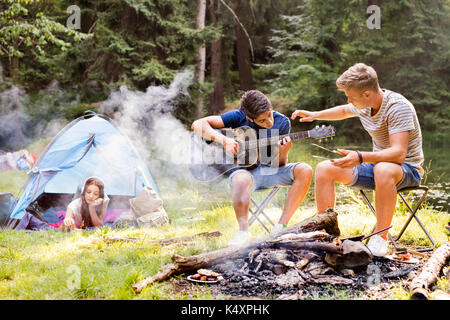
column 430, row 272
column 326, row 221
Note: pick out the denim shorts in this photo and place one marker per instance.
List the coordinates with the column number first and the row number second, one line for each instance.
column 266, row 177
column 363, row 177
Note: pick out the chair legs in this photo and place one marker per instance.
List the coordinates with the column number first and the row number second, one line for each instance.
column 366, row 200
column 412, row 211
column 259, row 209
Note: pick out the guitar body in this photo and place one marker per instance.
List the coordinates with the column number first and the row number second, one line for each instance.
column 210, row 161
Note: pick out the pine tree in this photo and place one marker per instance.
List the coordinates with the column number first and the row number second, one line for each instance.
column 26, row 30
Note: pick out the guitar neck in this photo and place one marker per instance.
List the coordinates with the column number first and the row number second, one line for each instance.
column 274, row 140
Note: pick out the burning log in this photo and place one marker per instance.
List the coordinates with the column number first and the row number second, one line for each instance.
column 430, row 272
column 326, row 221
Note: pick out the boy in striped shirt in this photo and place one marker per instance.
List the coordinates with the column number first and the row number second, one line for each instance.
column 396, row 159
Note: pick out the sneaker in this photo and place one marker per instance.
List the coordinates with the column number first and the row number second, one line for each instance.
column 277, row 229
column 240, row 238
column 378, row 246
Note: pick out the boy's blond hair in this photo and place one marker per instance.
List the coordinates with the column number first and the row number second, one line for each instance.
column 359, row 76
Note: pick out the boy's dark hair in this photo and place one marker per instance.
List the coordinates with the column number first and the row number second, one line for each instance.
column 253, row 103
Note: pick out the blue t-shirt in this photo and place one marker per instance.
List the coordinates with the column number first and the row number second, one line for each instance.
column 237, row 118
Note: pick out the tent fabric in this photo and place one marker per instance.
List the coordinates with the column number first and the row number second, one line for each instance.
column 88, row 146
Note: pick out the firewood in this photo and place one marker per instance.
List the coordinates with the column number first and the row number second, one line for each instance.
column 399, row 272
column 189, row 238
column 314, row 235
column 327, row 221
column 166, row 241
column 302, row 263
column 318, row 246
column 117, row 239
column 167, row 271
column 314, row 266
column 286, row 263
column 252, row 255
column 348, row 272
column 331, row 280
column 430, row 272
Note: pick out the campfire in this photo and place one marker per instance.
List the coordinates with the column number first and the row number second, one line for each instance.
column 308, row 254
column 310, row 251
column 291, row 261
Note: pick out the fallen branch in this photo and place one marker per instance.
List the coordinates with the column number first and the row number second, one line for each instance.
column 327, row 221
column 329, row 279
column 430, row 272
column 400, row 272
column 166, row 241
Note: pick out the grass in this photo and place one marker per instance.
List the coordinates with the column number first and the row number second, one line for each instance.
column 57, row 265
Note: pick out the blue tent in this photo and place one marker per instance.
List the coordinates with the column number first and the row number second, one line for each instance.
column 88, row 146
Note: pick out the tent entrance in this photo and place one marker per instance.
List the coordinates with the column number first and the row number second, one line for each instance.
column 50, row 208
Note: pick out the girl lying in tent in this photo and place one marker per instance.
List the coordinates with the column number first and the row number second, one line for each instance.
column 88, row 210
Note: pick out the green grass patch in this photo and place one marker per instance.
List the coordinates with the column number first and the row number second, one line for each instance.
column 57, row 265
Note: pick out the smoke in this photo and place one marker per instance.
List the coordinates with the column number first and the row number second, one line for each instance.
column 13, row 118
column 147, row 119
column 18, row 128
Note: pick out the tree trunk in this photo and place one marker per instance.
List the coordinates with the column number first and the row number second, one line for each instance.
column 243, row 53
column 217, row 99
column 201, row 59
column 14, row 65
column 375, row 2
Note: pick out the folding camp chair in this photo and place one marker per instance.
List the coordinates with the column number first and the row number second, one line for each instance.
column 258, row 209
column 413, row 214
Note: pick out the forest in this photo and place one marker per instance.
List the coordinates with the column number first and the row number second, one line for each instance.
column 71, row 56
column 155, row 66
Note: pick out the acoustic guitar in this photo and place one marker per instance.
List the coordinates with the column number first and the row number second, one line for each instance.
column 209, row 160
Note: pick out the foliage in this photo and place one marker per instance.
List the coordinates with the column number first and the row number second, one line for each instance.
column 135, row 43
column 24, row 24
column 300, row 48
column 306, row 53
column 411, row 53
column 312, row 47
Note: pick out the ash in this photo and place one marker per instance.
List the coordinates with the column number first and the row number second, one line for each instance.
column 262, row 278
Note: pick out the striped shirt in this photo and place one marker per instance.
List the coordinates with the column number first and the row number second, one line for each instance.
column 396, row 114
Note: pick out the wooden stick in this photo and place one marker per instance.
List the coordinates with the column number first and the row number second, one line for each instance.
column 163, row 242
column 430, row 272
